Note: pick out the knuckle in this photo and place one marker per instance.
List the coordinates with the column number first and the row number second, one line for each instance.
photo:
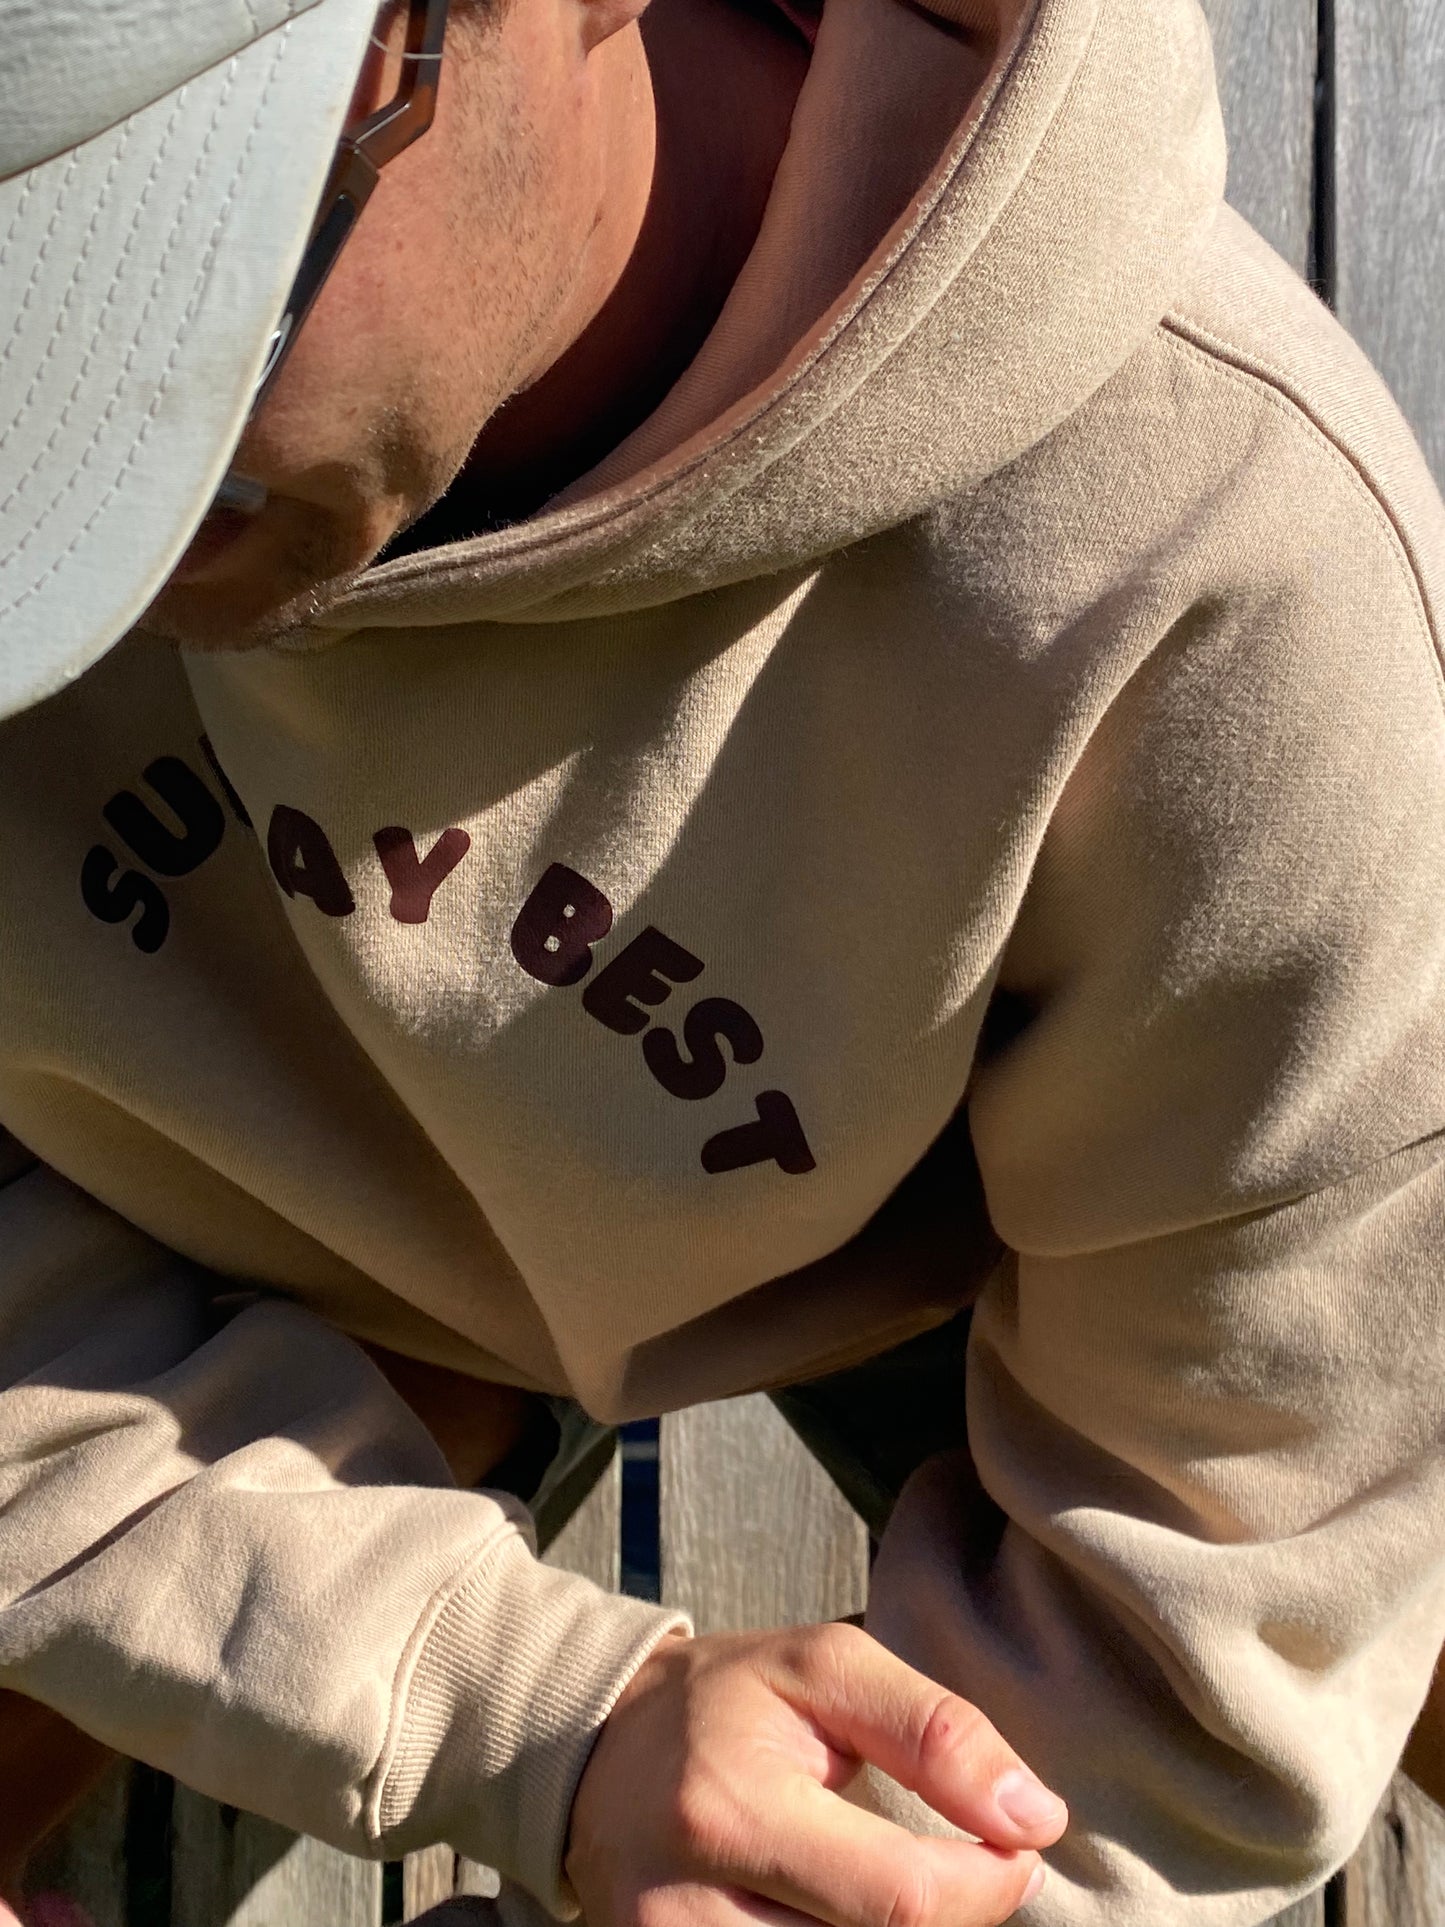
column 592, row 1869
column 692, row 1814
column 702, row 1817
column 830, row 1653
column 667, row 1905
column 950, row 1727
column 651, row 1908
column 846, row 1640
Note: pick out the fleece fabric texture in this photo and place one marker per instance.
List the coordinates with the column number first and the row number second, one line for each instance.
column 992, row 714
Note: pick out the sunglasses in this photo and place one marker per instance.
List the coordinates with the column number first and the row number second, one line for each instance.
column 409, row 64
column 361, row 154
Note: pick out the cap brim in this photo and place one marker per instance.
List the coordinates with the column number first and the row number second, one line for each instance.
column 144, row 273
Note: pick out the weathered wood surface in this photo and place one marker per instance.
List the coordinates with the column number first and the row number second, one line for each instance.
column 1385, row 154
column 231, row 1867
column 439, row 1874
column 591, row 1541
column 1389, row 190
column 1384, row 200
column 1398, row 1877
column 427, row 1879
column 1266, row 54
column 754, row 1532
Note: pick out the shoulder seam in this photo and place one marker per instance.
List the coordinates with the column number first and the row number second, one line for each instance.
column 1190, row 338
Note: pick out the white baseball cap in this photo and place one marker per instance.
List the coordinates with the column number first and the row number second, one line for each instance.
column 161, row 162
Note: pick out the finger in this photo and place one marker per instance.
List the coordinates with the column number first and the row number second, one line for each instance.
column 850, row 1868
column 696, row 1903
column 872, row 1705
column 759, row 1911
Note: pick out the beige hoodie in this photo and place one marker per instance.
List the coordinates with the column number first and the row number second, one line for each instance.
column 1002, row 685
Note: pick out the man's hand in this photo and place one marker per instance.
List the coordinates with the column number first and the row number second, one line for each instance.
column 712, row 1796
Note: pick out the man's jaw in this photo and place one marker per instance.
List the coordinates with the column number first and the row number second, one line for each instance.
column 246, row 580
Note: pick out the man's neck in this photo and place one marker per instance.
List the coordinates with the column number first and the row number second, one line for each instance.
column 724, row 80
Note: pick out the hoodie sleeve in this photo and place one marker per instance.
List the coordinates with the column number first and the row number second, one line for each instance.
column 229, row 1549
column 1195, row 1568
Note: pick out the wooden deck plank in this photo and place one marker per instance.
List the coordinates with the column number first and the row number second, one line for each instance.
column 1389, row 244
column 427, row 1879
column 754, row 1533
column 1265, row 52
column 591, row 1541
column 230, row 1869
column 1389, row 159
column 1398, row 1877
column 473, row 1878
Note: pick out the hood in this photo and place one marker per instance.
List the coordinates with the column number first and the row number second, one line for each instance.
column 983, row 209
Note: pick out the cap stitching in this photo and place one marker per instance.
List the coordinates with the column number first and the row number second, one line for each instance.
column 26, row 194
column 34, row 280
column 65, row 307
column 126, row 366
column 148, row 421
column 75, row 283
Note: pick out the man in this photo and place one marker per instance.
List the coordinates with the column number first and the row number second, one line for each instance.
column 892, row 756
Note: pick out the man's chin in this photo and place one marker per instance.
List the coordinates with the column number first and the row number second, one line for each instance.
column 211, row 619
column 245, row 585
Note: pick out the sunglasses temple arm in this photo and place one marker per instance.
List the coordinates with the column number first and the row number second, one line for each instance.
column 343, row 208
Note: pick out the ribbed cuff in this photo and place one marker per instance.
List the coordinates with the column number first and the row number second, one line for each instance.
column 501, row 1698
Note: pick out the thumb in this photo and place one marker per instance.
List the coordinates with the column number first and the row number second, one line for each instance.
column 870, row 1703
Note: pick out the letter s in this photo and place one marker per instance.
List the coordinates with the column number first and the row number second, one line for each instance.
column 113, row 901
column 703, row 1071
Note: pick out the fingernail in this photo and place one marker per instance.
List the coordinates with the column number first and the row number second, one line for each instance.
column 1027, row 1801
column 1033, row 1888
